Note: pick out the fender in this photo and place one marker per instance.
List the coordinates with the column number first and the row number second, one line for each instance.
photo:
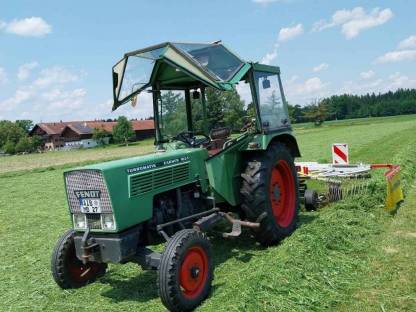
column 262, row 141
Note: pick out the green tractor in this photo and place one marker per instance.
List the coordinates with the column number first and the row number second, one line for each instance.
column 224, row 152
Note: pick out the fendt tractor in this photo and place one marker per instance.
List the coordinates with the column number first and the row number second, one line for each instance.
column 224, row 153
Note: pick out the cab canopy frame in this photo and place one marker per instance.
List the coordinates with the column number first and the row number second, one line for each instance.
column 173, row 65
column 197, row 66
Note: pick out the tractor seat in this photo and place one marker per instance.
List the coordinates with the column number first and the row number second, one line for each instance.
column 218, row 137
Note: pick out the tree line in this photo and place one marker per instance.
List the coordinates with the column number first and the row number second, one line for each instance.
column 347, row 106
column 226, row 109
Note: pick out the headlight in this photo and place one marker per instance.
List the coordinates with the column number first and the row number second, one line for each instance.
column 80, row 221
column 108, row 221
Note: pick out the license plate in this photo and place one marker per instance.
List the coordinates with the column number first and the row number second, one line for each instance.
column 90, row 205
column 89, row 200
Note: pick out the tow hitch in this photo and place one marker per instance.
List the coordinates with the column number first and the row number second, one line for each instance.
column 86, row 246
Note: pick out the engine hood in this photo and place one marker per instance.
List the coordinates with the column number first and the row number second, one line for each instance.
column 133, row 182
column 147, row 162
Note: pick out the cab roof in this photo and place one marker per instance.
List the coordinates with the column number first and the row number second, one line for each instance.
column 173, row 65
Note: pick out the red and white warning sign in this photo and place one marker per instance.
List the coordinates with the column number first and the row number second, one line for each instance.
column 340, row 154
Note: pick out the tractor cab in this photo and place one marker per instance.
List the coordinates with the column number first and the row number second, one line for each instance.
column 203, row 94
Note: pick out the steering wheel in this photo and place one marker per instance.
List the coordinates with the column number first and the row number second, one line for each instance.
column 189, row 138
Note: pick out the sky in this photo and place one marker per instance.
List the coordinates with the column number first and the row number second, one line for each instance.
column 56, row 56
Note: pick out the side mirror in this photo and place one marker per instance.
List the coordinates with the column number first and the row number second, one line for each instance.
column 195, row 95
column 115, row 80
column 266, row 83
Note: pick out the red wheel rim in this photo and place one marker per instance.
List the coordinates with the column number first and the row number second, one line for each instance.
column 282, row 193
column 80, row 272
column 193, row 272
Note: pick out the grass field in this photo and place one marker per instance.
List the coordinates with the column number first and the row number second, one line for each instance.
column 58, row 159
column 349, row 256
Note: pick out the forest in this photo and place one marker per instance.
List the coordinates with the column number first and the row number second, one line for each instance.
column 347, row 106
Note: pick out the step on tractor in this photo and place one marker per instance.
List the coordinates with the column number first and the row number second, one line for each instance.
column 224, row 153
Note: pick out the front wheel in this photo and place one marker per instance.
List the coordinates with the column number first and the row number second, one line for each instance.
column 67, row 270
column 270, row 194
column 186, row 271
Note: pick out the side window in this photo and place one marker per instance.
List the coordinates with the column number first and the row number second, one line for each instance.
column 172, row 113
column 273, row 112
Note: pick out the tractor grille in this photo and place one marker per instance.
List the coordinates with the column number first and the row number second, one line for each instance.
column 148, row 181
column 84, row 180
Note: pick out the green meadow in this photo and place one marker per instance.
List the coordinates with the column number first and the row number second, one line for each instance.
column 348, row 256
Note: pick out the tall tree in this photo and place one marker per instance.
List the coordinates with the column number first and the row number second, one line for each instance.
column 10, row 132
column 123, row 131
column 317, row 113
column 99, row 135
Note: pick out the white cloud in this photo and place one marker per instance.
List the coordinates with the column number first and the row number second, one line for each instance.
column 67, row 100
column 58, row 93
column 311, row 85
column 408, row 43
column 303, row 92
column 391, row 83
column 367, row 75
column 397, row 80
column 3, row 76
column 285, row 34
column 288, row 33
column 55, row 75
column 292, row 79
column 354, row 21
column 21, row 95
column 397, row 56
column 27, row 27
column 269, row 57
column 64, row 97
column 25, row 70
column 320, row 67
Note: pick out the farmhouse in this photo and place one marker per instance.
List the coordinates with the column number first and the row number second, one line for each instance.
column 75, row 134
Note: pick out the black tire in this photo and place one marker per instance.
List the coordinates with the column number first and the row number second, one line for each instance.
column 176, row 277
column 311, row 200
column 67, row 270
column 256, row 198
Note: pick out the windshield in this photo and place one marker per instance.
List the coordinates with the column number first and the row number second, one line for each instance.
column 213, row 57
column 180, row 63
column 136, row 74
column 232, row 109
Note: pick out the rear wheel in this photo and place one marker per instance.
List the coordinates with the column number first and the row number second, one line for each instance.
column 270, row 194
column 67, row 270
column 186, row 271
